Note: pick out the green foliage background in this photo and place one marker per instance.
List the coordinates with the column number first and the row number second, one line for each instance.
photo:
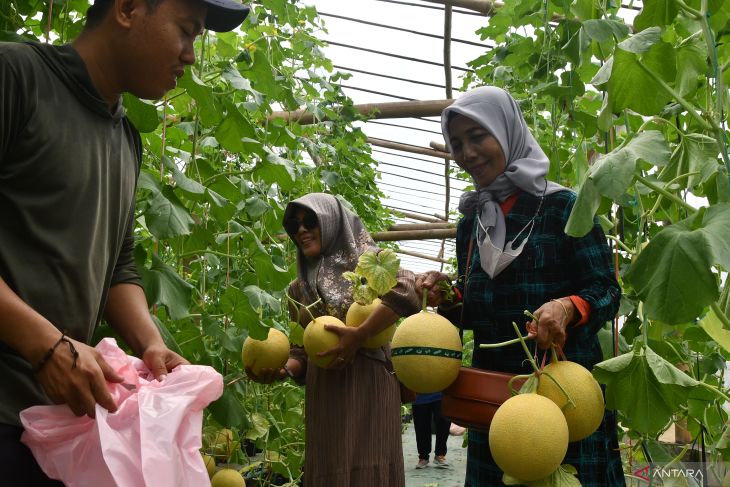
column 633, row 116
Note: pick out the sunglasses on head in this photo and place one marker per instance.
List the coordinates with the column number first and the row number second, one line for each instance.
column 292, row 224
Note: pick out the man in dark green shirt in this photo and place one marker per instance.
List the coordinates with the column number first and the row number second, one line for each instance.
column 69, row 161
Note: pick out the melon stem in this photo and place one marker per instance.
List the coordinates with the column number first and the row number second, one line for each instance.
column 503, row 344
column 302, row 305
column 524, row 347
column 424, row 299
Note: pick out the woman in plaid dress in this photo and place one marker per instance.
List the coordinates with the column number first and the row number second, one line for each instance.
column 521, row 259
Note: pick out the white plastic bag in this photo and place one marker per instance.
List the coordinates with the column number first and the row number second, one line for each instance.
column 152, row 440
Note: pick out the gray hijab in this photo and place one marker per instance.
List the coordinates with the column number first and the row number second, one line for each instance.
column 526, row 163
column 344, row 238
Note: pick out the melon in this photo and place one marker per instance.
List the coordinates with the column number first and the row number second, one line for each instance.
column 317, row 339
column 528, row 437
column 358, row 313
column 586, row 414
column 209, row 464
column 271, row 353
column 227, row 477
column 222, row 444
column 426, row 352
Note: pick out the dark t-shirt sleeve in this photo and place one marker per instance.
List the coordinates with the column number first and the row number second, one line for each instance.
column 125, row 270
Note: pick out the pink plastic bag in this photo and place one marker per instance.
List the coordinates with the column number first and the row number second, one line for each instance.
column 153, row 440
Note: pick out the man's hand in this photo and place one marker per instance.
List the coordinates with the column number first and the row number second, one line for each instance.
column 161, row 360
column 82, row 386
column 429, row 280
column 351, row 339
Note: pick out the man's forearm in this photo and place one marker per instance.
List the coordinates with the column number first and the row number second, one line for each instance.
column 126, row 311
column 22, row 328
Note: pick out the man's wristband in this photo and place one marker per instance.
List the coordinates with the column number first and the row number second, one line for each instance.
column 47, row 356
column 288, row 371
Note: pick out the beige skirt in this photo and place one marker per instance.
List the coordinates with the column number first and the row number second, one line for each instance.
column 353, row 427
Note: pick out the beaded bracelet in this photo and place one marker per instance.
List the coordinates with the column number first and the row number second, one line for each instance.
column 51, row 350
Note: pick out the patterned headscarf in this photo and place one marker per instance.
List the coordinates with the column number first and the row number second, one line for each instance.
column 344, row 238
column 526, row 163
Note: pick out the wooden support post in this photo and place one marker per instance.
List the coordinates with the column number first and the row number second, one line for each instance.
column 484, row 7
column 414, row 149
column 399, row 109
column 422, row 256
column 438, row 146
column 420, row 226
column 418, row 216
column 414, row 235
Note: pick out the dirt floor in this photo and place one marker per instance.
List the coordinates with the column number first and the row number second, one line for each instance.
column 431, row 476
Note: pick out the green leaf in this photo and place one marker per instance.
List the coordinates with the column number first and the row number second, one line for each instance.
column 235, row 304
column 276, row 170
column 580, row 220
column 166, row 216
column 613, row 173
column 233, row 129
column 182, row 181
column 633, row 88
column 210, row 111
column 713, row 326
column 258, row 426
column 691, row 64
column 650, row 146
column 165, row 287
column 228, row 411
column 380, row 269
column 641, row 42
column 694, row 153
column 261, row 301
column 645, row 387
column 262, row 75
column 673, row 274
column 603, row 30
column 142, row 114
column 656, row 13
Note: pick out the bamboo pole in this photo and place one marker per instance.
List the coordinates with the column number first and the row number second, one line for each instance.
column 484, row 7
column 414, row 149
column 449, row 95
column 420, row 226
column 422, row 256
column 438, row 146
column 398, row 109
column 423, row 218
column 414, row 235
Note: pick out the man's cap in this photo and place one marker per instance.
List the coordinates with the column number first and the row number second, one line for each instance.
column 224, row 15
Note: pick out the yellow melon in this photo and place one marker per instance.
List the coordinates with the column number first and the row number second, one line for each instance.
column 222, row 444
column 318, row 339
column 358, row 313
column 585, row 417
column 209, row 464
column 426, row 352
column 528, row 437
column 227, row 477
column 271, row 353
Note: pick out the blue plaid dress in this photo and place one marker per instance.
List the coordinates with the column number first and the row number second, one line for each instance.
column 552, row 265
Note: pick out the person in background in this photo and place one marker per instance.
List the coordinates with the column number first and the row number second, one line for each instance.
column 513, row 255
column 352, row 408
column 427, row 409
column 69, row 161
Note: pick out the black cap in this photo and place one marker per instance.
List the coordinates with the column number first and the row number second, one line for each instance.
column 224, row 15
